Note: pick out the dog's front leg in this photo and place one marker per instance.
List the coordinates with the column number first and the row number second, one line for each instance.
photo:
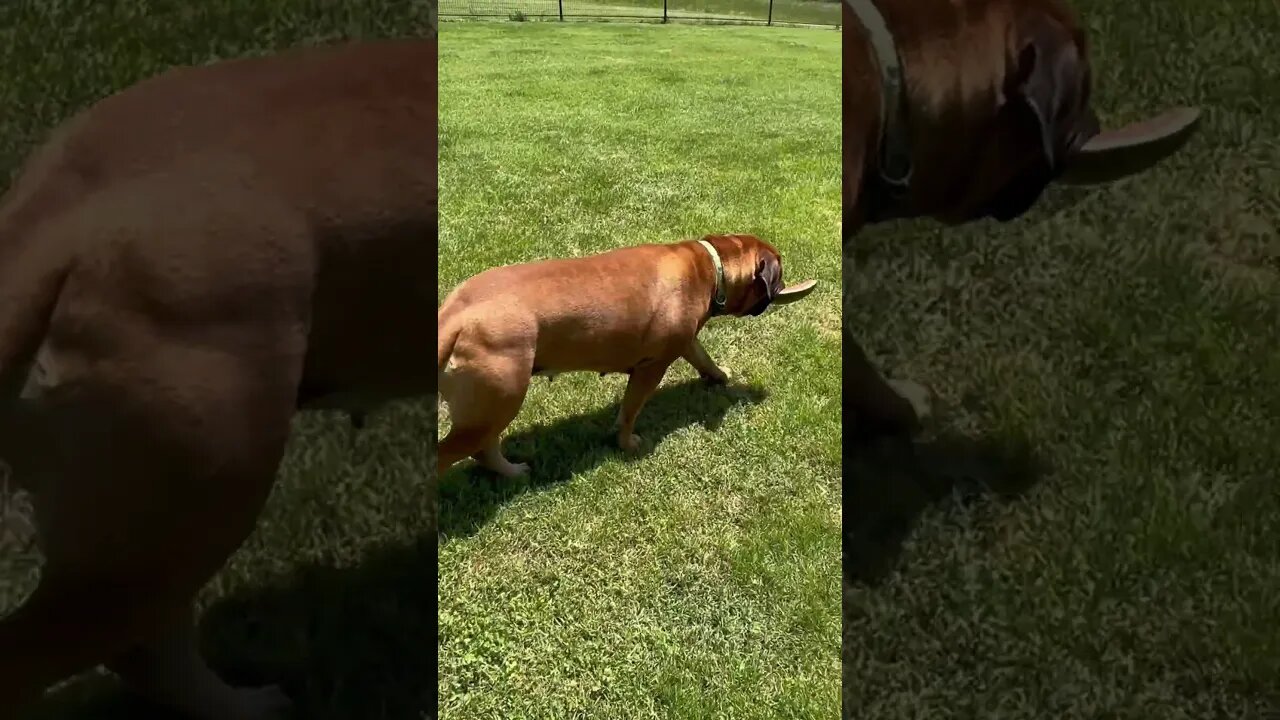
column 702, row 362
column 644, row 380
column 879, row 406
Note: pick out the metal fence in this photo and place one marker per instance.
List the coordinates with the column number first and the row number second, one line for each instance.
column 823, row 13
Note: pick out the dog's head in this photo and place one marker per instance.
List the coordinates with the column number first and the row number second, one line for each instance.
column 753, row 275
column 1033, row 126
column 1041, row 119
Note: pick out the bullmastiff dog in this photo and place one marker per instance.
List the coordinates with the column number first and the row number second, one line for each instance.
column 961, row 110
column 183, row 265
column 634, row 310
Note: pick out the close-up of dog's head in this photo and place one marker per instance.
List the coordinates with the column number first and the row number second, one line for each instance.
column 753, row 275
column 1040, row 128
column 989, row 130
column 1042, row 117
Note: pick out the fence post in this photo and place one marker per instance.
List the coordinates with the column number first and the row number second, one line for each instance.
column 770, row 22
column 664, row 10
column 562, row 10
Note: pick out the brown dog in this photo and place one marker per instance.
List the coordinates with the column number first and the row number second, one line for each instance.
column 961, row 110
column 633, row 310
column 182, row 266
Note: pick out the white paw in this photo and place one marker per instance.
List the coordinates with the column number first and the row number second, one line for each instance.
column 629, row 442
column 920, row 397
column 720, row 377
column 514, row 470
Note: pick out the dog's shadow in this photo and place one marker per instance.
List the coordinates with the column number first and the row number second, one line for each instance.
column 344, row 643
column 469, row 496
column 355, row 642
column 889, row 482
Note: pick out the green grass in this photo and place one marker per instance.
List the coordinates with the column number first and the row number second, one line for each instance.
column 812, row 12
column 699, row 579
column 1131, row 343
column 332, row 595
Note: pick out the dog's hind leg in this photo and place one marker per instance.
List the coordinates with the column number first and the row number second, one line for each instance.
column 168, row 669
column 484, row 395
column 152, row 466
column 60, row 630
column 491, row 458
column 65, row 626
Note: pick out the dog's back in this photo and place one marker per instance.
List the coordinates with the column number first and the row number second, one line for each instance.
column 609, row 304
column 368, row 200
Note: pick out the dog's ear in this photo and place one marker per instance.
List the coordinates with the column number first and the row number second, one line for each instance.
column 767, row 282
column 769, row 274
column 1048, row 88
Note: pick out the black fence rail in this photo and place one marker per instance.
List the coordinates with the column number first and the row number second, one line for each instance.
column 823, row 13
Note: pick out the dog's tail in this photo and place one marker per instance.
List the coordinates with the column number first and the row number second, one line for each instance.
column 448, row 328
column 31, row 279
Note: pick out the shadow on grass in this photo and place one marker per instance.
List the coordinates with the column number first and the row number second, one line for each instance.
column 890, row 482
column 469, row 496
column 344, row 643
column 349, row 643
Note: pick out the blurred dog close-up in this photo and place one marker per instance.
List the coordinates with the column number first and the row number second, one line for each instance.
column 963, row 111
column 184, row 265
column 1060, row 217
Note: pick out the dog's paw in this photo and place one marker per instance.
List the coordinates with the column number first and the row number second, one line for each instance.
column 920, row 397
column 261, row 703
column 629, row 442
column 514, row 470
column 720, row 377
column 493, row 461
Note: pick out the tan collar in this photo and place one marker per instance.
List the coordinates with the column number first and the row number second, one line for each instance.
column 893, row 166
column 718, row 301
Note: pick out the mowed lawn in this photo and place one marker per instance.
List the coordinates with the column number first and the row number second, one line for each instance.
column 1115, row 355
column 812, row 12
column 332, row 595
column 700, row 578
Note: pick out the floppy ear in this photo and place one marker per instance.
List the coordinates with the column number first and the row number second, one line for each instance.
column 767, row 281
column 769, row 275
column 1049, row 89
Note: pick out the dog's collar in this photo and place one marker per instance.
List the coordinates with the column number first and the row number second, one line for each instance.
column 893, row 166
column 718, row 300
